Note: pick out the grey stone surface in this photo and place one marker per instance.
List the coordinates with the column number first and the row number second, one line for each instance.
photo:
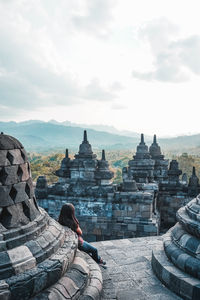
column 21, row 259
column 8, row 142
column 5, row 199
column 16, row 155
column 41, row 187
column 4, row 293
column 129, row 274
column 193, row 186
column 3, row 158
column 83, row 280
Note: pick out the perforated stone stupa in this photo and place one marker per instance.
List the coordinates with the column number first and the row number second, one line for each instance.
column 177, row 263
column 38, row 257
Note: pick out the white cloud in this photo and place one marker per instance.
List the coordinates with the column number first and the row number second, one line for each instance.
column 63, row 59
column 174, row 58
column 118, row 106
column 189, row 49
column 33, row 71
column 95, row 91
column 95, row 17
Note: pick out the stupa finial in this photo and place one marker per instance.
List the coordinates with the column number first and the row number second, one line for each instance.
column 103, row 155
column 85, row 136
column 193, row 171
column 154, row 139
column 142, row 138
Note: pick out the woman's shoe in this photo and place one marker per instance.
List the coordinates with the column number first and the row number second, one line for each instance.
column 102, row 262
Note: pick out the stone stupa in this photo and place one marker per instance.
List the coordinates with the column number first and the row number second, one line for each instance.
column 161, row 164
column 38, row 257
column 141, row 166
column 177, row 263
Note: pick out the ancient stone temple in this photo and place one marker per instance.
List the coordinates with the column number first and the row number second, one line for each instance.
column 105, row 211
column 38, row 257
column 177, row 262
column 85, row 168
column 150, row 170
column 84, row 165
column 148, row 165
column 142, row 166
column 147, row 198
column 160, row 172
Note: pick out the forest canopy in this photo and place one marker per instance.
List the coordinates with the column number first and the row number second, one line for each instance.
column 48, row 164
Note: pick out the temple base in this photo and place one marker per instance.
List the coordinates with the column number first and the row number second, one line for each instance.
column 176, row 280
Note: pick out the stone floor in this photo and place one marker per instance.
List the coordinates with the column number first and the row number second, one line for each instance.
column 129, row 275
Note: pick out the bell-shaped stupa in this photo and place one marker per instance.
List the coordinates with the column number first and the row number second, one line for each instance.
column 103, row 174
column 141, row 166
column 177, row 263
column 85, row 149
column 38, row 257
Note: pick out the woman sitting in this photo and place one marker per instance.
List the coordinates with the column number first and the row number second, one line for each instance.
column 67, row 218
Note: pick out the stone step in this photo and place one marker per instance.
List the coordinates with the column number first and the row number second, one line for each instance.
column 176, row 280
column 181, row 259
column 12, row 235
column 30, row 278
column 185, row 241
column 193, row 209
column 191, row 225
column 16, row 259
column 83, row 281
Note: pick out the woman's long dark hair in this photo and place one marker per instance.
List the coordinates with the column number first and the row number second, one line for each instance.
column 67, row 216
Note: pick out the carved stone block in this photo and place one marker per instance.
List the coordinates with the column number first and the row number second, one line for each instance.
column 25, row 169
column 3, row 158
column 21, row 194
column 5, row 199
column 10, row 175
column 17, row 157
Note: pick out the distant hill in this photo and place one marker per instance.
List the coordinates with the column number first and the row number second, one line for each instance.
column 181, row 142
column 47, row 136
column 39, row 136
column 106, row 128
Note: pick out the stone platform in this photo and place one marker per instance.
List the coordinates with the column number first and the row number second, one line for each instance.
column 129, row 275
column 178, row 281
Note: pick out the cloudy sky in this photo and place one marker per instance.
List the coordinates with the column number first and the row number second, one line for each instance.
column 131, row 64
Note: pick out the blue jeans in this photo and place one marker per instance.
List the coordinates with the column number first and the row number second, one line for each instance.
column 88, row 248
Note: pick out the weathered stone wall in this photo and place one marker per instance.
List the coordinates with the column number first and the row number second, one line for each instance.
column 121, row 215
column 168, row 205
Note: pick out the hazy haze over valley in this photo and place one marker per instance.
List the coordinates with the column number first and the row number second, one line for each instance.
column 53, row 136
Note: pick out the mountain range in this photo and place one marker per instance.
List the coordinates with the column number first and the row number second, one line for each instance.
column 47, row 136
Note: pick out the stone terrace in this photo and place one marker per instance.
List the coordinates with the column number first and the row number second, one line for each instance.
column 129, row 274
